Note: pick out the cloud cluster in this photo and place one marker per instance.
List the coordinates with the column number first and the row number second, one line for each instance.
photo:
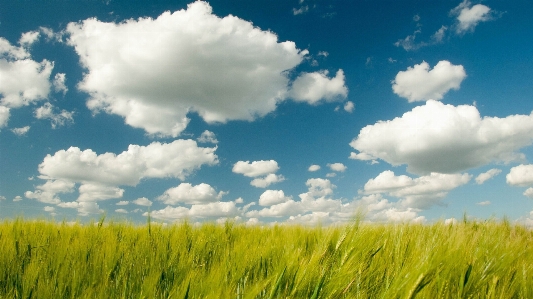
column 419, row 83
column 263, row 172
column 418, row 193
column 101, row 175
column 221, row 68
column 443, row 138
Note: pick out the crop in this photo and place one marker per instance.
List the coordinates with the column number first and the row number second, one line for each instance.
column 470, row 259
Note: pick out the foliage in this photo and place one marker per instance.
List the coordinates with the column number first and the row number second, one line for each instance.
column 40, row 259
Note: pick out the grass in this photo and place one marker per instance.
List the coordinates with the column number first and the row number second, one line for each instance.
column 40, row 259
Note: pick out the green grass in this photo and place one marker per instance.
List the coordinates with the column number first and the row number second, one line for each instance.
column 40, row 259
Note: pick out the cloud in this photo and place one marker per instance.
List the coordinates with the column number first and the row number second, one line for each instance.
column 363, row 157
column 339, row 167
column 123, row 211
column 443, row 138
column 483, row 203
column 17, row 198
column 29, row 38
column 59, row 83
column 209, row 210
column 153, row 72
column 255, row 168
column 4, row 116
column 269, row 179
column 418, row 193
column 349, row 106
column 419, row 83
column 273, row 197
column 123, row 203
column 57, row 119
column 314, row 87
column 483, row 177
column 84, row 208
column 20, row 131
column 100, row 175
column 521, row 175
column 2, row 197
column 143, row 201
column 208, row 137
column 468, row 17
column 313, row 168
column 303, row 9
column 529, row 192
column 189, row 194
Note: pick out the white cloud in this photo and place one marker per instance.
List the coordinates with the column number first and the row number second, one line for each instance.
column 21, row 131
column 468, row 17
column 2, row 197
column 316, row 86
column 222, row 68
column 123, row 203
column 443, row 138
column 337, row 167
column 189, row 194
column 529, row 192
column 483, row 177
column 273, row 197
column 363, row 157
column 269, row 179
column 255, row 168
column 28, row 38
column 349, row 106
column 157, row 160
column 100, row 175
column 313, row 168
column 208, row 137
column 143, row 201
column 303, row 9
column 57, row 119
column 97, row 191
column 213, row 209
column 418, row 193
column 123, row 211
column 84, row 208
column 4, row 116
column 331, row 175
column 47, row 193
column 419, row 83
column 49, row 209
column 521, row 175
column 317, row 188
column 17, row 198
column 483, row 203
column 59, row 83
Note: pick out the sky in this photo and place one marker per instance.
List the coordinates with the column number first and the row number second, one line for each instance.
column 301, row 111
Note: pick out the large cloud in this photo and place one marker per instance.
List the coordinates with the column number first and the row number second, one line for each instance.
column 153, row 72
column 446, row 139
column 419, row 83
column 521, row 175
column 418, row 193
column 100, row 175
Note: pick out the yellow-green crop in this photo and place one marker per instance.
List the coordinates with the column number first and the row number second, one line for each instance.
column 40, row 259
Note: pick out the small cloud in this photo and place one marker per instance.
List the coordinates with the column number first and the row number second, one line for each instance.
column 339, row 167
column 529, row 193
column 2, row 197
column 123, row 211
column 21, row 131
column 303, row 9
column 57, row 119
column 323, row 53
column 208, row 137
column 480, row 179
column 416, row 18
column 468, row 16
column 390, row 60
column 143, row 201
column 49, row 209
column 483, row 203
column 239, row 200
column 331, row 175
column 17, row 198
column 349, row 106
column 313, row 168
column 122, row 203
column 59, row 83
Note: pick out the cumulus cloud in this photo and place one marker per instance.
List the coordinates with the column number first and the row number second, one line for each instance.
column 189, row 194
column 419, row 83
column 273, row 197
column 339, row 167
column 20, row 131
column 529, row 192
column 483, row 177
column 468, row 16
column 59, row 83
column 153, row 72
column 313, row 168
column 84, row 208
column 263, row 172
column 123, row 203
column 443, row 138
column 57, row 119
column 521, row 175
column 314, row 87
column 349, row 106
column 418, row 193
column 209, row 210
column 123, row 211
column 143, row 201
column 100, row 175
column 208, row 137
column 28, row 38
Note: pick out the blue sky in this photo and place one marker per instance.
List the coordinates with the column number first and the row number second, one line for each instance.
column 266, row 111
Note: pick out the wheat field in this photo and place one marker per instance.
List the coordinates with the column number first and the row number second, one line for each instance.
column 469, row 259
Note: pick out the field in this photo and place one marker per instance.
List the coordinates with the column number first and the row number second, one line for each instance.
column 469, row 259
